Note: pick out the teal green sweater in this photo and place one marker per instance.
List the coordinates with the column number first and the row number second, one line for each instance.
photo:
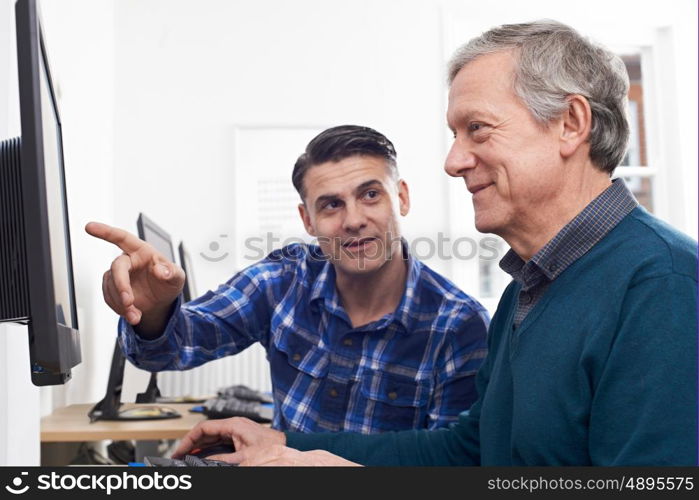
column 603, row 370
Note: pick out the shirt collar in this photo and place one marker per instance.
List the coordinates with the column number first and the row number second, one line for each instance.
column 324, row 288
column 576, row 238
column 324, row 285
column 409, row 305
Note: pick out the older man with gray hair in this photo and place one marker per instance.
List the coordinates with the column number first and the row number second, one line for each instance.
column 593, row 348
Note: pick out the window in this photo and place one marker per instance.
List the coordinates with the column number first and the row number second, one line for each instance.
column 634, row 168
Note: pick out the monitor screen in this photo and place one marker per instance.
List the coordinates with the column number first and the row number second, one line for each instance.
column 56, row 202
column 36, row 283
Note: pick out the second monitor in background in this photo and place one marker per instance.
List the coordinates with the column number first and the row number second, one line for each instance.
column 153, row 234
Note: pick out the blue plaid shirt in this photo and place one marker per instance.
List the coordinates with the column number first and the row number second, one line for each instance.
column 412, row 369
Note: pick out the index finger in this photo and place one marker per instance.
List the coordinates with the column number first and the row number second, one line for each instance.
column 128, row 242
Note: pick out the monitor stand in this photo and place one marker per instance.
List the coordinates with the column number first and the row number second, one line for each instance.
column 152, row 392
column 110, row 406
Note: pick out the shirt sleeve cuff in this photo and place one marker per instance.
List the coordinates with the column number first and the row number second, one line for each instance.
column 307, row 441
column 134, row 345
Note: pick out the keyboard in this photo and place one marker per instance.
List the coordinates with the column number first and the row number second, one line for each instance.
column 233, row 407
column 244, row 392
column 187, row 461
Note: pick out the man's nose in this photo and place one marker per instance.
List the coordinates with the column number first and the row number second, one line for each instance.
column 355, row 218
column 459, row 159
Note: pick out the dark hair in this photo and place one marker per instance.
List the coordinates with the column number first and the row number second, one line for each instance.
column 338, row 143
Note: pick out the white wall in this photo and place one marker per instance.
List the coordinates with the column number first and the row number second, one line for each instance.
column 188, row 73
column 152, row 92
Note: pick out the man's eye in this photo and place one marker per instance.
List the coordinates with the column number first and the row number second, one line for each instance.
column 332, row 204
column 475, row 126
column 371, row 194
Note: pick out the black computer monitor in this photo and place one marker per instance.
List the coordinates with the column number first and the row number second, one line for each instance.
column 190, row 288
column 36, row 272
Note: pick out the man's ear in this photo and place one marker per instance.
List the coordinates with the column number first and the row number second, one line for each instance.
column 306, row 219
column 403, row 197
column 576, row 125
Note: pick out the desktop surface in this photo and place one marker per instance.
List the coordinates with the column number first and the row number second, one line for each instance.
column 71, row 423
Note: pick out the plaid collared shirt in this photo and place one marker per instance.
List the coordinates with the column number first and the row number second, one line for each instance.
column 414, row 368
column 576, row 238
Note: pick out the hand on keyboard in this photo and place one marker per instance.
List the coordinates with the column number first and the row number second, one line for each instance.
column 241, row 433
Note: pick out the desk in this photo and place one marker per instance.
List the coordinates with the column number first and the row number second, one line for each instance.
column 71, row 423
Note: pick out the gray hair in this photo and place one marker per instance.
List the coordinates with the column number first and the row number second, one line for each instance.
column 553, row 61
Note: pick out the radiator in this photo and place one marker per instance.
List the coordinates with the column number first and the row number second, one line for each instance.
column 249, row 367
